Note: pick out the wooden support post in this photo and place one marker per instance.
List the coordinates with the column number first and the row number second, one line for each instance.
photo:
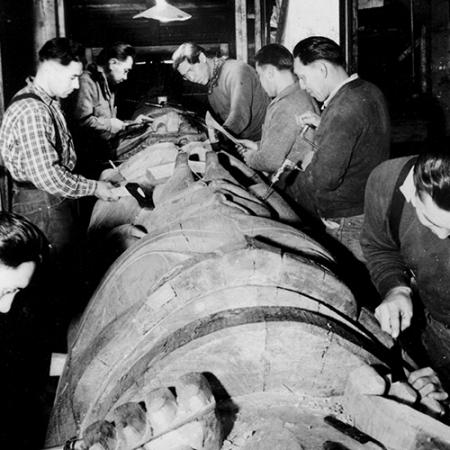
column 282, row 20
column 2, row 87
column 349, row 33
column 424, row 62
column 4, row 185
column 45, row 23
column 61, row 18
column 258, row 26
column 241, row 30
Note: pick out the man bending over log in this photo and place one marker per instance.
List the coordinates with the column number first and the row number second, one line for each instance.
column 234, row 91
column 352, row 136
column 406, row 242
column 281, row 134
column 94, row 112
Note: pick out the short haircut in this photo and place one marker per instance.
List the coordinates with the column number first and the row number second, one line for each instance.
column 315, row 48
column 276, row 55
column 118, row 50
column 63, row 50
column 189, row 52
column 20, row 241
column 432, row 177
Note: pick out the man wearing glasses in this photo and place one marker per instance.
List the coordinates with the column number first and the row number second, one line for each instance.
column 94, row 113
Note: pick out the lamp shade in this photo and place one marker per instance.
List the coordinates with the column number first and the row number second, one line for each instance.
column 163, row 12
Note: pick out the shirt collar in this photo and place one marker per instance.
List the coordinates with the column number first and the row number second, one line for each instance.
column 286, row 91
column 103, row 80
column 40, row 92
column 408, row 189
column 337, row 88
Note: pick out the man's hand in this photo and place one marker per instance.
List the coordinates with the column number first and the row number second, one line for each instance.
column 116, row 125
column 248, row 144
column 427, row 383
column 308, row 118
column 246, row 148
column 395, row 311
column 142, row 118
column 105, row 191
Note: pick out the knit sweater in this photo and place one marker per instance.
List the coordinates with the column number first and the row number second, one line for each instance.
column 421, row 253
column 239, row 100
column 352, row 139
column 280, row 130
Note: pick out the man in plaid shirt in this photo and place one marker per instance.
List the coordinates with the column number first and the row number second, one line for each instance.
column 37, row 148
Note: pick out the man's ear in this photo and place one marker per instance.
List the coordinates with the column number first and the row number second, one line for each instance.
column 323, row 67
column 202, row 57
column 270, row 70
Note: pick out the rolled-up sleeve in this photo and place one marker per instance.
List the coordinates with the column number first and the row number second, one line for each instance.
column 384, row 260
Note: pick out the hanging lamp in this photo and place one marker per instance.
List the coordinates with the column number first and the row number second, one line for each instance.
column 163, row 12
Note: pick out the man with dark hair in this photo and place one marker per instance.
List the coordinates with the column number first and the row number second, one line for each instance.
column 405, row 241
column 22, row 249
column 26, row 317
column 352, row 136
column 234, row 91
column 94, row 114
column 37, row 147
column 280, row 132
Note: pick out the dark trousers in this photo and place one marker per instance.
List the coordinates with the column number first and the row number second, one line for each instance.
column 57, row 217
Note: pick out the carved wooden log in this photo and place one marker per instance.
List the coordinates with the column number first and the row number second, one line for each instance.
column 162, row 421
column 178, row 127
column 216, row 286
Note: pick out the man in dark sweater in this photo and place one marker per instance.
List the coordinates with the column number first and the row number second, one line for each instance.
column 234, row 91
column 352, row 137
column 412, row 254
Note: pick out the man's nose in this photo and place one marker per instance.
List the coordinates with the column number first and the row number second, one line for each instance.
column 6, row 302
column 76, row 83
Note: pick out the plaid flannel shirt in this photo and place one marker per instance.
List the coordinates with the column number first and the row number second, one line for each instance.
column 29, row 150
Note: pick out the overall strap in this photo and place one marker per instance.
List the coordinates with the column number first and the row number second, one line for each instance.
column 6, row 181
column 397, row 204
column 32, row 95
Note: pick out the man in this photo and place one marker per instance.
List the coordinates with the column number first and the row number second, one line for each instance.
column 94, row 113
column 37, row 147
column 25, row 324
column 22, row 249
column 234, row 91
column 280, row 132
column 405, row 241
column 352, row 137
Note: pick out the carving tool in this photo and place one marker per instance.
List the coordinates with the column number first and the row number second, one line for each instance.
column 398, row 372
column 212, row 123
column 141, row 194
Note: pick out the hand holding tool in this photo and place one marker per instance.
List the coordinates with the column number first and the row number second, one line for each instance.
column 212, row 123
column 141, row 194
column 398, row 372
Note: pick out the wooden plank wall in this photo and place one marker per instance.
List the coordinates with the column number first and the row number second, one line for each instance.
column 16, row 38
